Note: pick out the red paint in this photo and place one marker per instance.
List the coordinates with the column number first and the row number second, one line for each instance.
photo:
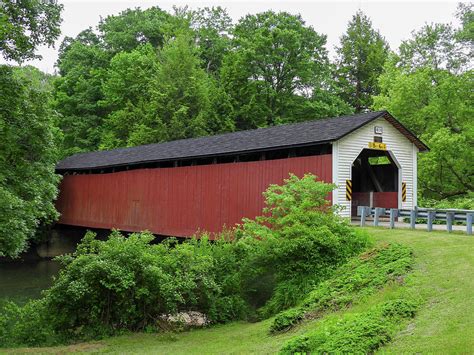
column 178, row 201
column 381, row 199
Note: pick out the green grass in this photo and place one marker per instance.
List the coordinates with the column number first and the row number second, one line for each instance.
column 443, row 277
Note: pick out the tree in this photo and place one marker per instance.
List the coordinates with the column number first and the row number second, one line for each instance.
column 127, row 94
column 465, row 14
column 24, row 25
column 428, row 86
column 160, row 97
column 212, row 27
column 360, row 61
column 433, row 46
column 276, row 71
column 437, row 106
column 28, row 139
column 132, row 28
column 185, row 99
column 82, row 67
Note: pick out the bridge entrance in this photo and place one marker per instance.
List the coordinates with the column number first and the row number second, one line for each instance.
column 375, row 180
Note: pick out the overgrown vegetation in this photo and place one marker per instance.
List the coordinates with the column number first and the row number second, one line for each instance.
column 128, row 284
column 359, row 333
column 352, row 282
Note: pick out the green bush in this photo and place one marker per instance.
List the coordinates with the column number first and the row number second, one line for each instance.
column 360, row 277
column 301, row 241
column 129, row 284
column 355, row 333
column 287, row 319
column 25, row 325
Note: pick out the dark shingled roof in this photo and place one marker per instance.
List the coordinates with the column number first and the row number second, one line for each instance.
column 290, row 135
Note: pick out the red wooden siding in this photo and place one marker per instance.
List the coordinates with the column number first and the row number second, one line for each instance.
column 178, row 201
column 381, row 199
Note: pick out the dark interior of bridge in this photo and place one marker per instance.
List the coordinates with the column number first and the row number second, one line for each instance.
column 374, row 170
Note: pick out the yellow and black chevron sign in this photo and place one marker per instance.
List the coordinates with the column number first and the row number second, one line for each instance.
column 404, row 191
column 348, row 190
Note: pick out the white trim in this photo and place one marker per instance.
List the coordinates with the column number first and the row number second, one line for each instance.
column 335, row 166
column 400, row 177
column 415, row 176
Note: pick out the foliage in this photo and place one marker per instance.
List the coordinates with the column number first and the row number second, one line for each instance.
column 135, row 27
column 126, row 92
column 159, row 98
column 299, row 235
column 123, row 283
column 278, row 71
column 25, row 25
column 352, row 282
column 28, row 141
column 355, row 333
column 428, row 86
column 82, row 66
column 361, row 56
column 212, row 27
column 444, row 261
column 435, row 105
column 463, row 203
column 25, row 325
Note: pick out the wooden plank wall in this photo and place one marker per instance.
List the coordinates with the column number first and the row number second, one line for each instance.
column 178, row 201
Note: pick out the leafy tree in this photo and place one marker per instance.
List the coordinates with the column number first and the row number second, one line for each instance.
column 437, row 106
column 24, row 25
column 132, row 28
column 361, row 56
column 82, row 67
column 278, row 71
column 442, row 46
column 28, row 155
column 428, row 86
column 213, row 27
column 185, row 100
column 433, row 46
column 465, row 14
column 127, row 93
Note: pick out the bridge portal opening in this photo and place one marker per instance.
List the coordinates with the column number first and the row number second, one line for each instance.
column 375, row 180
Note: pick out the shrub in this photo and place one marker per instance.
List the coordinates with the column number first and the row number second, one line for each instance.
column 128, row 284
column 360, row 277
column 301, row 240
column 287, row 319
column 355, row 333
column 26, row 325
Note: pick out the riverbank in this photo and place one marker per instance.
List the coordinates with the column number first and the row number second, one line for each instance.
column 442, row 277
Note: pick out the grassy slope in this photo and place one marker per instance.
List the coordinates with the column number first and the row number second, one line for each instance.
column 443, row 277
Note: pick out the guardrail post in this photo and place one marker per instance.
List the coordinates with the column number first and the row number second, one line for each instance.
column 363, row 215
column 429, row 224
column 449, row 221
column 469, row 217
column 378, row 212
column 393, row 215
column 412, row 219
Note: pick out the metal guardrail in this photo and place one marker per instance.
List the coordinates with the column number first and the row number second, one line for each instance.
column 430, row 214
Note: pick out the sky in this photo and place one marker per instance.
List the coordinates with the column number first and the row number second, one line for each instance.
column 394, row 19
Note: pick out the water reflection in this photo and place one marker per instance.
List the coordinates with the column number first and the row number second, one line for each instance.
column 24, row 280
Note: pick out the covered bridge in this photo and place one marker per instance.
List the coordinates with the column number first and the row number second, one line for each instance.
column 178, row 188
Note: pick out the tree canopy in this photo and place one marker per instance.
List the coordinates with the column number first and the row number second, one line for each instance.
column 28, row 137
column 27, row 24
column 278, row 71
column 361, row 56
column 428, row 86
